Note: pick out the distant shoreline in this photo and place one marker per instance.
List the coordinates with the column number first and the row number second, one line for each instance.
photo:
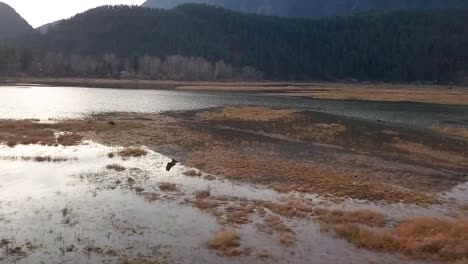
column 434, row 94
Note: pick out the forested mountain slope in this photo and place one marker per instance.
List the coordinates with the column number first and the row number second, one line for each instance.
column 390, row 46
column 315, row 8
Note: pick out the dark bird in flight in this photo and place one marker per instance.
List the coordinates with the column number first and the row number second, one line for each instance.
column 171, row 164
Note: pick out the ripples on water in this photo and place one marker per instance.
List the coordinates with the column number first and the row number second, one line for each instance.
column 42, row 102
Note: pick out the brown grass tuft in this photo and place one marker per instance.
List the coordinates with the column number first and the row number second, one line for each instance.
column 115, row 167
column 226, row 242
column 248, row 113
column 69, row 139
column 425, row 236
column 306, row 176
column 363, row 237
column 289, row 208
column 274, row 225
column 203, row 194
column 26, row 132
column 420, row 152
column 394, row 93
column 192, row 173
column 323, row 132
column 205, row 204
column 361, row 216
column 422, row 237
column 133, row 152
column 167, row 187
column 139, row 189
column 239, row 214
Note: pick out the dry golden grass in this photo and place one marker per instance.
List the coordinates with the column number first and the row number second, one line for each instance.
column 361, row 216
column 274, row 225
column 422, row 237
column 149, row 196
column 31, row 132
column 133, row 152
column 281, row 187
column 152, row 130
column 69, row 139
column 202, row 194
column 248, row 114
column 240, row 213
column 305, row 176
column 326, row 133
column 241, row 87
column 205, row 204
column 420, row 152
column 372, row 92
column 452, row 130
column 168, row 187
column 226, row 242
column 394, row 93
column 289, row 208
column 363, row 237
column 26, row 132
column 429, row 237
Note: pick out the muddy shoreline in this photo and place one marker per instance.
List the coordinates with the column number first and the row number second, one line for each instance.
column 364, row 187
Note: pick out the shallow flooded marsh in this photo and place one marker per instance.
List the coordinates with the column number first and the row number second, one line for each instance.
column 253, row 184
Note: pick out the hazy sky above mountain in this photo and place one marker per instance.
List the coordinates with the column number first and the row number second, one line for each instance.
column 40, row 12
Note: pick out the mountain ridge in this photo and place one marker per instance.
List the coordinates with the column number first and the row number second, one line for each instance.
column 11, row 23
column 314, row 8
column 389, row 46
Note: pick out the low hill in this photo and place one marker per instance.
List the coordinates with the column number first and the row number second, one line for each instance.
column 11, row 23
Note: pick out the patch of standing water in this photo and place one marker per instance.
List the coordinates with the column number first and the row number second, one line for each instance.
column 65, row 212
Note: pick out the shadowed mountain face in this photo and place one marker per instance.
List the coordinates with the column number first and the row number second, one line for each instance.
column 315, row 8
column 400, row 45
column 11, row 23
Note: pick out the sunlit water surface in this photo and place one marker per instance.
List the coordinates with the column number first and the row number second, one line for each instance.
column 42, row 102
column 34, row 194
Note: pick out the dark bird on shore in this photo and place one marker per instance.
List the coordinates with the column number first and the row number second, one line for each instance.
column 112, row 123
column 171, row 164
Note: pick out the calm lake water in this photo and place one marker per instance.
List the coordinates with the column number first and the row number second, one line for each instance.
column 43, row 102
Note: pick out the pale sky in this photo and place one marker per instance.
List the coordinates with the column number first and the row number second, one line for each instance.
column 40, row 12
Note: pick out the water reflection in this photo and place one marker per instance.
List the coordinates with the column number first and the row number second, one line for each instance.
column 20, row 102
column 65, row 208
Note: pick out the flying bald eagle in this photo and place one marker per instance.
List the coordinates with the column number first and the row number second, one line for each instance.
column 171, row 164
